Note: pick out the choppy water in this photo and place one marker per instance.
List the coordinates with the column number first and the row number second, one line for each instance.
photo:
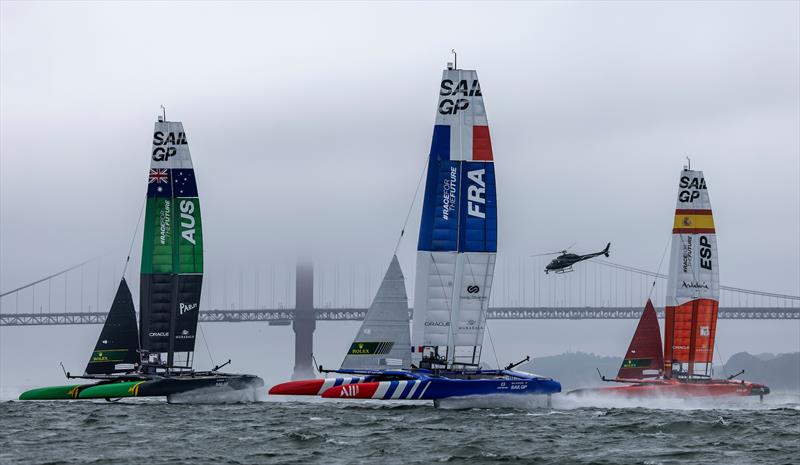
column 154, row 432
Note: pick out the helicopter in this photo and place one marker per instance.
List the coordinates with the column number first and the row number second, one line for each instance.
column 563, row 263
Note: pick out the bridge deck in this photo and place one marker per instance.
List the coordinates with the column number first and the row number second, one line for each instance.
column 278, row 316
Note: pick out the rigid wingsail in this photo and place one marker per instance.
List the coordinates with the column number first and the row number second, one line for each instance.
column 155, row 359
column 692, row 303
column 456, row 254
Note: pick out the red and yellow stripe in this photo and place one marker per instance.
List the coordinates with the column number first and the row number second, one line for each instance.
column 693, row 222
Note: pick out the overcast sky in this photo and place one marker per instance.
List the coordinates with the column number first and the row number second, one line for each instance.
column 310, row 123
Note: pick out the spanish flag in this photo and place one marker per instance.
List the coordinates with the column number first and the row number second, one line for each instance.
column 693, row 222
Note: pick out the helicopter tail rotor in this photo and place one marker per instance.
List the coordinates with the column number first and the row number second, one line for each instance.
column 606, row 250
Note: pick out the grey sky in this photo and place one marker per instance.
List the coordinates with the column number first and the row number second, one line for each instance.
column 310, row 123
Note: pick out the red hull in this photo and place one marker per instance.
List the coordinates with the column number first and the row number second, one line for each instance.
column 681, row 389
column 308, row 387
column 313, row 387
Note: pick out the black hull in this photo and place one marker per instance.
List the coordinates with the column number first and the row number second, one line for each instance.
column 172, row 385
column 206, row 385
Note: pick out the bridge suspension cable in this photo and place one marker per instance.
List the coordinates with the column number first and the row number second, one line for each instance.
column 727, row 288
column 54, row 275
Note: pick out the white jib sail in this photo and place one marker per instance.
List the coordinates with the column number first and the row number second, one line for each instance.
column 384, row 339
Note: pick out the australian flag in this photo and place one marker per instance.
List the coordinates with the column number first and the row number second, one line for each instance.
column 183, row 183
column 158, row 183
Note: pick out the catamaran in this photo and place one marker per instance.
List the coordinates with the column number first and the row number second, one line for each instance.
column 156, row 358
column 456, row 255
column 684, row 368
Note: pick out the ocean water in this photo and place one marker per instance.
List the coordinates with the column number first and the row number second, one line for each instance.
column 585, row 431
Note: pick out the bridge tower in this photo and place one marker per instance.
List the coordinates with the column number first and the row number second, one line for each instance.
column 304, row 321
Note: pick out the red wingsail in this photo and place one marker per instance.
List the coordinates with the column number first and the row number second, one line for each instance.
column 690, row 331
column 644, row 352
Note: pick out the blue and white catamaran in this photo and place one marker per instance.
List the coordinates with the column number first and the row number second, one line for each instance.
column 456, row 256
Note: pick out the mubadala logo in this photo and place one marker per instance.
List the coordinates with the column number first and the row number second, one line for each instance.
column 184, row 335
column 472, row 325
column 183, row 308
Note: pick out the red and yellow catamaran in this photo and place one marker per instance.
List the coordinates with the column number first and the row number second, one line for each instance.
column 684, row 368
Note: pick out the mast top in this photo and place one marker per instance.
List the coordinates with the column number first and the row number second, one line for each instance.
column 163, row 116
column 454, row 63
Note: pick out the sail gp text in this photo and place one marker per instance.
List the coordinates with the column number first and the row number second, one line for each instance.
column 163, row 144
column 690, row 189
column 458, row 94
column 476, row 192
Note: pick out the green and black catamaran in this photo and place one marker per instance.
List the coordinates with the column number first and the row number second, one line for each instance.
column 155, row 358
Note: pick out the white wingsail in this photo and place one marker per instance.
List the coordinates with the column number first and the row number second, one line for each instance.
column 457, row 245
column 692, row 300
column 384, row 339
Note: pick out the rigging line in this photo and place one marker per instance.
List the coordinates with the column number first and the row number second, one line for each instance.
column 483, row 283
column 411, row 207
column 727, row 288
column 205, row 341
column 721, row 360
column 449, row 305
column 491, row 341
column 469, row 265
column 133, row 239
column 658, row 270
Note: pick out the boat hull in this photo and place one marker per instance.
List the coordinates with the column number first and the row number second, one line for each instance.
column 153, row 387
column 313, row 387
column 442, row 388
column 679, row 389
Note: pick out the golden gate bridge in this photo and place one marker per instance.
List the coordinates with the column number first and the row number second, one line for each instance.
column 82, row 293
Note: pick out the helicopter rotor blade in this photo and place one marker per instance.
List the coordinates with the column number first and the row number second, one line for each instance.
column 543, row 254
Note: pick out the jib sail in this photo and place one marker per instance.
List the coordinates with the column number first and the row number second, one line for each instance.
column 457, row 244
column 116, row 348
column 384, row 339
column 644, row 358
column 693, row 285
column 172, row 250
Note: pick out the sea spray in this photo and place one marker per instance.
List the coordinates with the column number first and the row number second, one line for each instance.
column 220, row 395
